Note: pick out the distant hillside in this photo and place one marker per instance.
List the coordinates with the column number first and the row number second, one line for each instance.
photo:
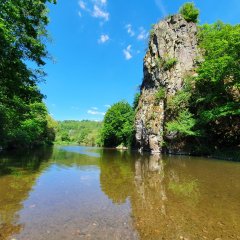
column 81, row 132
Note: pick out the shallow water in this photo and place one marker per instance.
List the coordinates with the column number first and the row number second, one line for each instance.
column 89, row 193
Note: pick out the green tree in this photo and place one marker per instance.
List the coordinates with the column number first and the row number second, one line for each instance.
column 183, row 124
column 216, row 97
column 189, row 12
column 118, row 125
column 22, row 31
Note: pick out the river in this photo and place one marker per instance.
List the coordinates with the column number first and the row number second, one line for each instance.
column 73, row 192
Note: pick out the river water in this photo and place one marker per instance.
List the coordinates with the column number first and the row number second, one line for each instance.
column 74, row 192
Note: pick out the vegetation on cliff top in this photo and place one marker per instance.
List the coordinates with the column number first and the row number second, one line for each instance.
column 189, row 12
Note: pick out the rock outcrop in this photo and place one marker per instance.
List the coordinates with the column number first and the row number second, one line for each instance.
column 171, row 56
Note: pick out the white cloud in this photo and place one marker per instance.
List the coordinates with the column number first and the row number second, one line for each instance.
column 129, row 30
column 128, row 52
column 103, row 38
column 107, row 106
column 79, row 14
column 93, row 112
column 100, row 13
column 94, row 108
column 143, row 34
column 96, row 8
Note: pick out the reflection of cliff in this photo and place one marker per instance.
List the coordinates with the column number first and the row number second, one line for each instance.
column 142, row 179
column 151, row 169
column 18, row 174
column 149, row 198
column 170, row 198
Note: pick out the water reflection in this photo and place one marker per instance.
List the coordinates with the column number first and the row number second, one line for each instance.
column 108, row 194
column 117, row 174
column 18, row 173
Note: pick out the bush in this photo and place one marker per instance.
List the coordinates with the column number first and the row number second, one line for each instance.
column 166, row 64
column 189, row 12
column 169, row 63
column 183, row 124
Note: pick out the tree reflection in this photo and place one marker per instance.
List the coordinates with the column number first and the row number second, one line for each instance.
column 117, row 174
column 18, row 174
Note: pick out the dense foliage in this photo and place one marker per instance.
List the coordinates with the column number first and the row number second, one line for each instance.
column 81, row 132
column 118, row 125
column 23, row 115
column 209, row 104
column 189, row 12
column 216, row 97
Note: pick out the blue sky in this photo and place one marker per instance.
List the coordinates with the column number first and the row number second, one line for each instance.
column 98, row 48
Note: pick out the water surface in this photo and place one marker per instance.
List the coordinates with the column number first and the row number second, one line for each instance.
column 90, row 193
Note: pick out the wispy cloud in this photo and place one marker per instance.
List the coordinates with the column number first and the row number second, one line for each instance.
column 143, row 34
column 103, row 38
column 97, row 9
column 94, row 108
column 127, row 52
column 130, row 30
column 100, row 13
column 107, row 106
column 161, row 6
column 82, row 5
column 94, row 112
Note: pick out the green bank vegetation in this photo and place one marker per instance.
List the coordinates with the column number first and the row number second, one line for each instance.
column 24, row 120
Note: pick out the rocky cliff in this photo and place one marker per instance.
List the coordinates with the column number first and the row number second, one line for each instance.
column 171, row 56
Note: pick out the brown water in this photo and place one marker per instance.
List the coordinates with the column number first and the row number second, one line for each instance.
column 85, row 193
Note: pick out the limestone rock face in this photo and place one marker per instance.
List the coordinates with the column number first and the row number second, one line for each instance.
column 171, row 56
